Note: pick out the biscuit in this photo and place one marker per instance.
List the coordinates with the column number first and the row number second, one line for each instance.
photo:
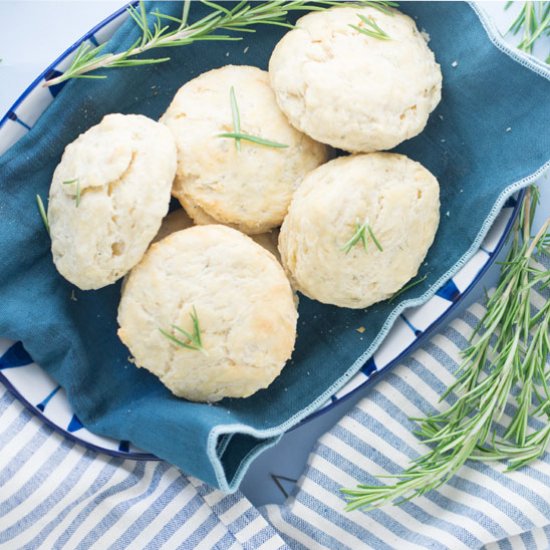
column 392, row 201
column 250, row 188
column 353, row 91
column 108, row 196
column 243, row 305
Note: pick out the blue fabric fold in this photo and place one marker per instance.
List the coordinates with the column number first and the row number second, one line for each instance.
column 487, row 138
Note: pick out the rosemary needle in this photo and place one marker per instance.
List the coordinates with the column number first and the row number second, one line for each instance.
column 77, row 182
column 237, row 135
column 253, row 139
column 236, row 117
column 360, row 235
column 193, row 340
column 373, row 29
column 409, row 285
column 42, row 212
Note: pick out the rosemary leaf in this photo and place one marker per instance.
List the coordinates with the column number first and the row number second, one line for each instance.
column 236, row 117
column 360, row 235
column 42, row 212
column 193, row 341
column 253, row 139
column 243, row 17
column 409, row 285
column 373, row 29
column 77, row 196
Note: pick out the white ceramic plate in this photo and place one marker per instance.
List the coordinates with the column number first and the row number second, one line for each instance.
column 42, row 395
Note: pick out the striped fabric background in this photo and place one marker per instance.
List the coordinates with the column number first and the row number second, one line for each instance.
column 480, row 507
column 56, row 494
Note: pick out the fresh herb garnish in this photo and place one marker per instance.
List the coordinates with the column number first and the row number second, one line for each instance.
column 77, row 196
column 237, row 135
column 409, row 285
column 360, row 235
column 253, row 139
column 373, row 29
column 236, row 117
column 42, row 212
column 169, row 31
column 508, row 350
column 534, row 22
column 193, row 340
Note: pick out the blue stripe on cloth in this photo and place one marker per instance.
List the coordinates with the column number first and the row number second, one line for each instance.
column 130, row 480
column 14, row 427
column 176, row 522
column 410, row 508
column 47, row 504
column 115, row 513
column 443, row 502
column 102, row 478
column 26, row 453
column 347, row 522
column 320, row 536
column 167, row 496
column 29, row 486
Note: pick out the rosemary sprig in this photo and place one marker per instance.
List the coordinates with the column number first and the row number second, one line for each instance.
column 410, row 284
column 77, row 182
column 488, row 373
column 372, row 30
column 253, row 139
column 193, row 340
column 236, row 117
column 42, row 212
column 238, row 135
column 169, row 31
column 360, row 235
column 533, row 21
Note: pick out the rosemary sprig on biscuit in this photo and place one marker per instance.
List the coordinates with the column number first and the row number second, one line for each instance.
column 372, row 30
column 42, row 212
column 77, row 196
column 169, row 31
column 360, row 235
column 238, row 135
column 193, row 340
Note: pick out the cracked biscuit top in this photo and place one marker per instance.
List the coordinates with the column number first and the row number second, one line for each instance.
column 108, row 196
column 356, row 78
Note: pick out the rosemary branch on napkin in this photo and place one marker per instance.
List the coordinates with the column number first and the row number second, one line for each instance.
column 169, row 31
column 506, row 361
column 533, row 21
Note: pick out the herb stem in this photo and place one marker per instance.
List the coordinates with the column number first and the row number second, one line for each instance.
column 508, row 348
column 241, row 18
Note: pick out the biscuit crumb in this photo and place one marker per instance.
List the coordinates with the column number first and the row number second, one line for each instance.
column 440, row 117
column 246, row 49
column 508, row 129
column 360, row 330
column 73, row 296
column 447, row 213
column 131, row 360
column 454, row 64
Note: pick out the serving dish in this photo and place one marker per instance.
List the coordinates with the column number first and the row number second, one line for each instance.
column 43, row 396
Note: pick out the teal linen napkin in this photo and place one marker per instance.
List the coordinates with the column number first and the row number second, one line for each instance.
column 466, row 145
